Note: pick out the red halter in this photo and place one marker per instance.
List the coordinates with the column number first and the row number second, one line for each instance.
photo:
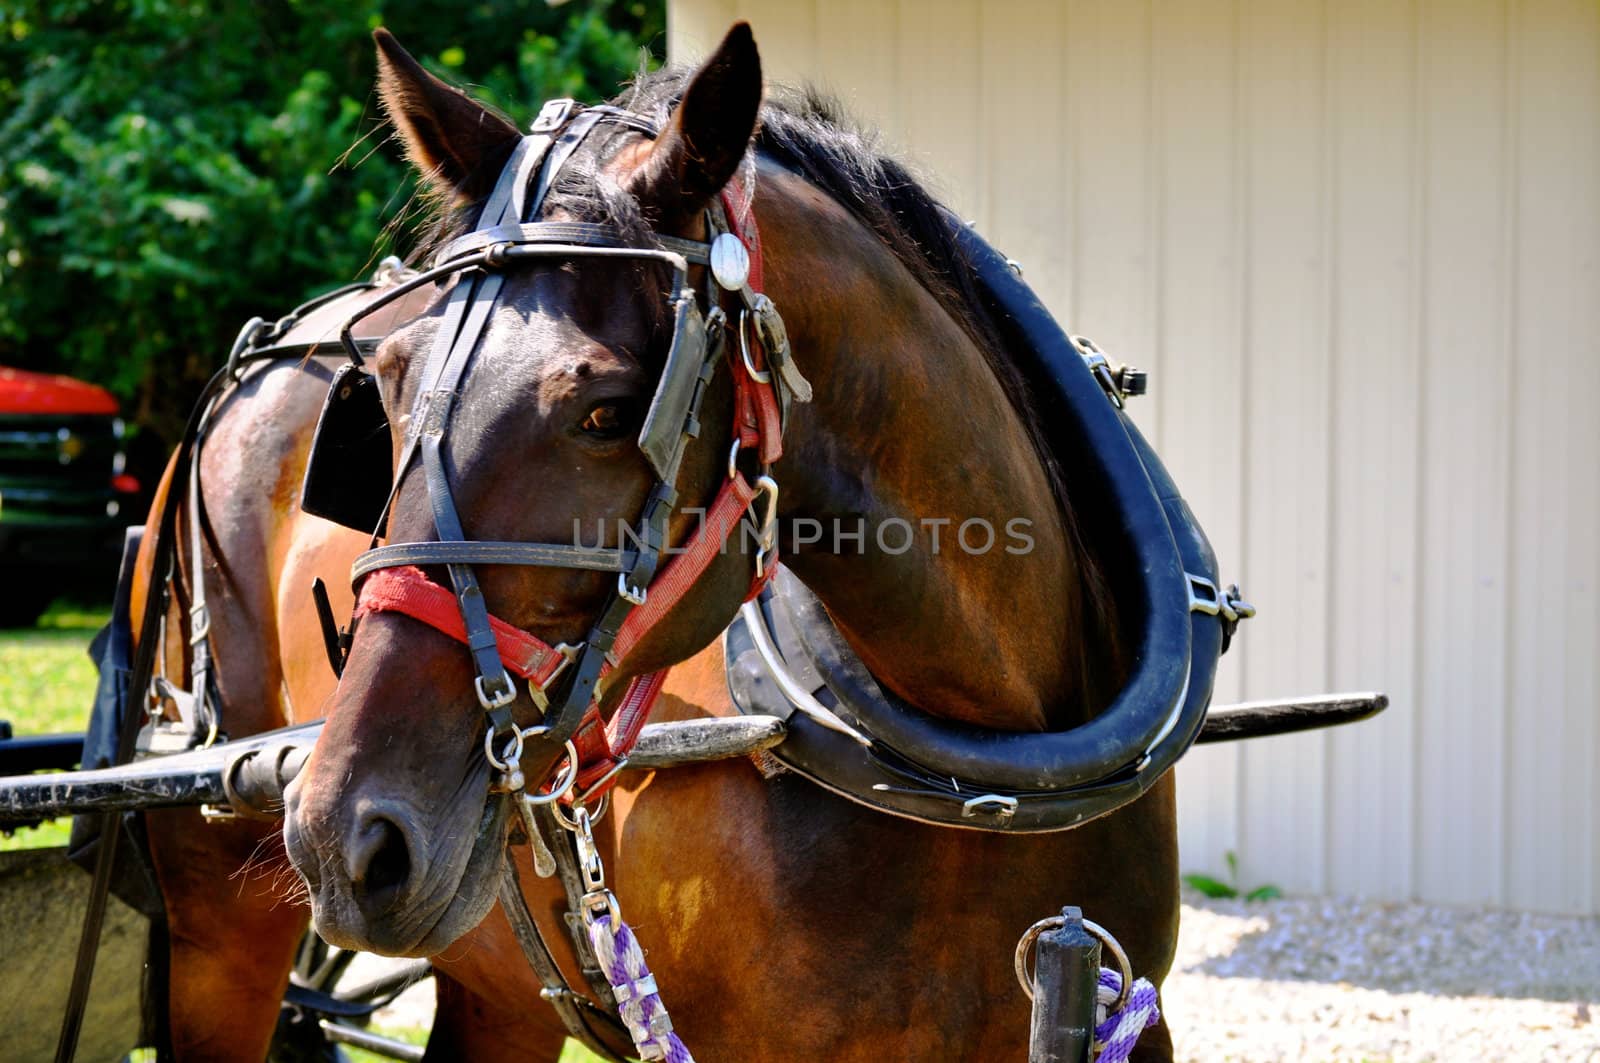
column 602, row 745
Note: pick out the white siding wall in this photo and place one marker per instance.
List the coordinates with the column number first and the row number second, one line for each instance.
column 1355, row 242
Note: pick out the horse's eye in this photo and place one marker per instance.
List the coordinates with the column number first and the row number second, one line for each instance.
column 609, row 420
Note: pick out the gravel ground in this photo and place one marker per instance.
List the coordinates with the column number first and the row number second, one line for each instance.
column 1318, row 980
column 1335, row 980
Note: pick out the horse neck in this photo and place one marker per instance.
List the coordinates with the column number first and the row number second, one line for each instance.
column 910, row 430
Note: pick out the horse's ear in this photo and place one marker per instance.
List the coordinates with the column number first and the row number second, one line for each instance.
column 701, row 149
column 457, row 143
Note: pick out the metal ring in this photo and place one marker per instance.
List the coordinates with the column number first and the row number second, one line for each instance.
column 733, row 460
column 1055, row 922
column 509, row 756
column 760, row 376
column 564, row 781
column 599, row 813
column 767, row 537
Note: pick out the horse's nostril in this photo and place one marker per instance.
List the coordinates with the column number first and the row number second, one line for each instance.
column 381, row 863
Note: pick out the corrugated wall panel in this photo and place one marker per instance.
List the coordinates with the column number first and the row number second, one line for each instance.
column 1110, row 177
column 1461, row 797
column 939, row 99
column 787, row 30
column 1552, row 734
column 1198, row 361
column 858, row 58
column 1282, row 67
column 1376, row 359
column 693, row 29
column 1356, row 242
column 1033, row 215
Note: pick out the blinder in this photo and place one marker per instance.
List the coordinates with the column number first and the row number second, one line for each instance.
column 673, row 417
column 352, row 462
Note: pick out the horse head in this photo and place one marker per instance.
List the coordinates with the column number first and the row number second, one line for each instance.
column 393, row 824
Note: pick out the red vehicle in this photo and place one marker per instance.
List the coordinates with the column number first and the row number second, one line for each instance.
column 65, row 492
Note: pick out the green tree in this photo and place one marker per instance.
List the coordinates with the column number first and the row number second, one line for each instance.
column 170, row 168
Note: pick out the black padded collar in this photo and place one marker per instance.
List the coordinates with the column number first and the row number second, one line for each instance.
column 941, row 772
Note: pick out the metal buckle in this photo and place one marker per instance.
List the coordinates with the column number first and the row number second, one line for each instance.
column 1000, row 805
column 1100, row 366
column 553, row 115
column 769, row 325
column 1204, row 597
column 636, row 595
column 539, row 692
column 1236, row 608
column 490, row 702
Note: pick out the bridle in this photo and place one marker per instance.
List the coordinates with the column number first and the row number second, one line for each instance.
column 566, row 682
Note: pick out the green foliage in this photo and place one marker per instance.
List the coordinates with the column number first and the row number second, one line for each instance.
column 170, row 168
column 1217, row 889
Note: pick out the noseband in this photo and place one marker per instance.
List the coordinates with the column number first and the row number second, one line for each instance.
column 765, row 380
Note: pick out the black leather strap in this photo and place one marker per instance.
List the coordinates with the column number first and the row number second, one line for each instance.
column 579, row 1015
column 494, row 683
column 144, row 660
column 489, row 552
column 573, row 233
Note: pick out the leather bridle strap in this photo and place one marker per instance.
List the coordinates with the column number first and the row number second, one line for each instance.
column 408, row 591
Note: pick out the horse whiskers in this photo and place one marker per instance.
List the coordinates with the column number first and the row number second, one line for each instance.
column 269, row 862
column 262, row 856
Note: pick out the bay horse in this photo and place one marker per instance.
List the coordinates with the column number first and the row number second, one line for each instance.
column 782, row 922
column 234, row 910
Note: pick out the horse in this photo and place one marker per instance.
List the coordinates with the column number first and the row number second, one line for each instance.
column 782, row 921
column 234, row 913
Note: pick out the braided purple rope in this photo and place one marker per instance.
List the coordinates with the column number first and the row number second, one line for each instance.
column 1115, row 1036
column 638, row 1001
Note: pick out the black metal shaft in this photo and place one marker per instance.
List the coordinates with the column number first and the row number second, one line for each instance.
column 1066, row 973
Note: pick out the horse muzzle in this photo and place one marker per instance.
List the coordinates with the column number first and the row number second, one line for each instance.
column 384, row 877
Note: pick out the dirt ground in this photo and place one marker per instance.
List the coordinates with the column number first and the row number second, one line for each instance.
column 1328, row 980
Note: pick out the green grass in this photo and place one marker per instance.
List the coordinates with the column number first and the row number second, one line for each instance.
column 47, row 685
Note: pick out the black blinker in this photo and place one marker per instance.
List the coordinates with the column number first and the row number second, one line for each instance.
column 352, row 461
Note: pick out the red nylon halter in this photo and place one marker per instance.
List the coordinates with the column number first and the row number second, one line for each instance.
column 601, row 745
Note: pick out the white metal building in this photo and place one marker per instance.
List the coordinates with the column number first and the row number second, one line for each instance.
column 1355, row 242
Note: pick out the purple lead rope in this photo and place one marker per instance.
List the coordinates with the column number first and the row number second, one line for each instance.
column 1117, row 1033
column 638, row 1000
